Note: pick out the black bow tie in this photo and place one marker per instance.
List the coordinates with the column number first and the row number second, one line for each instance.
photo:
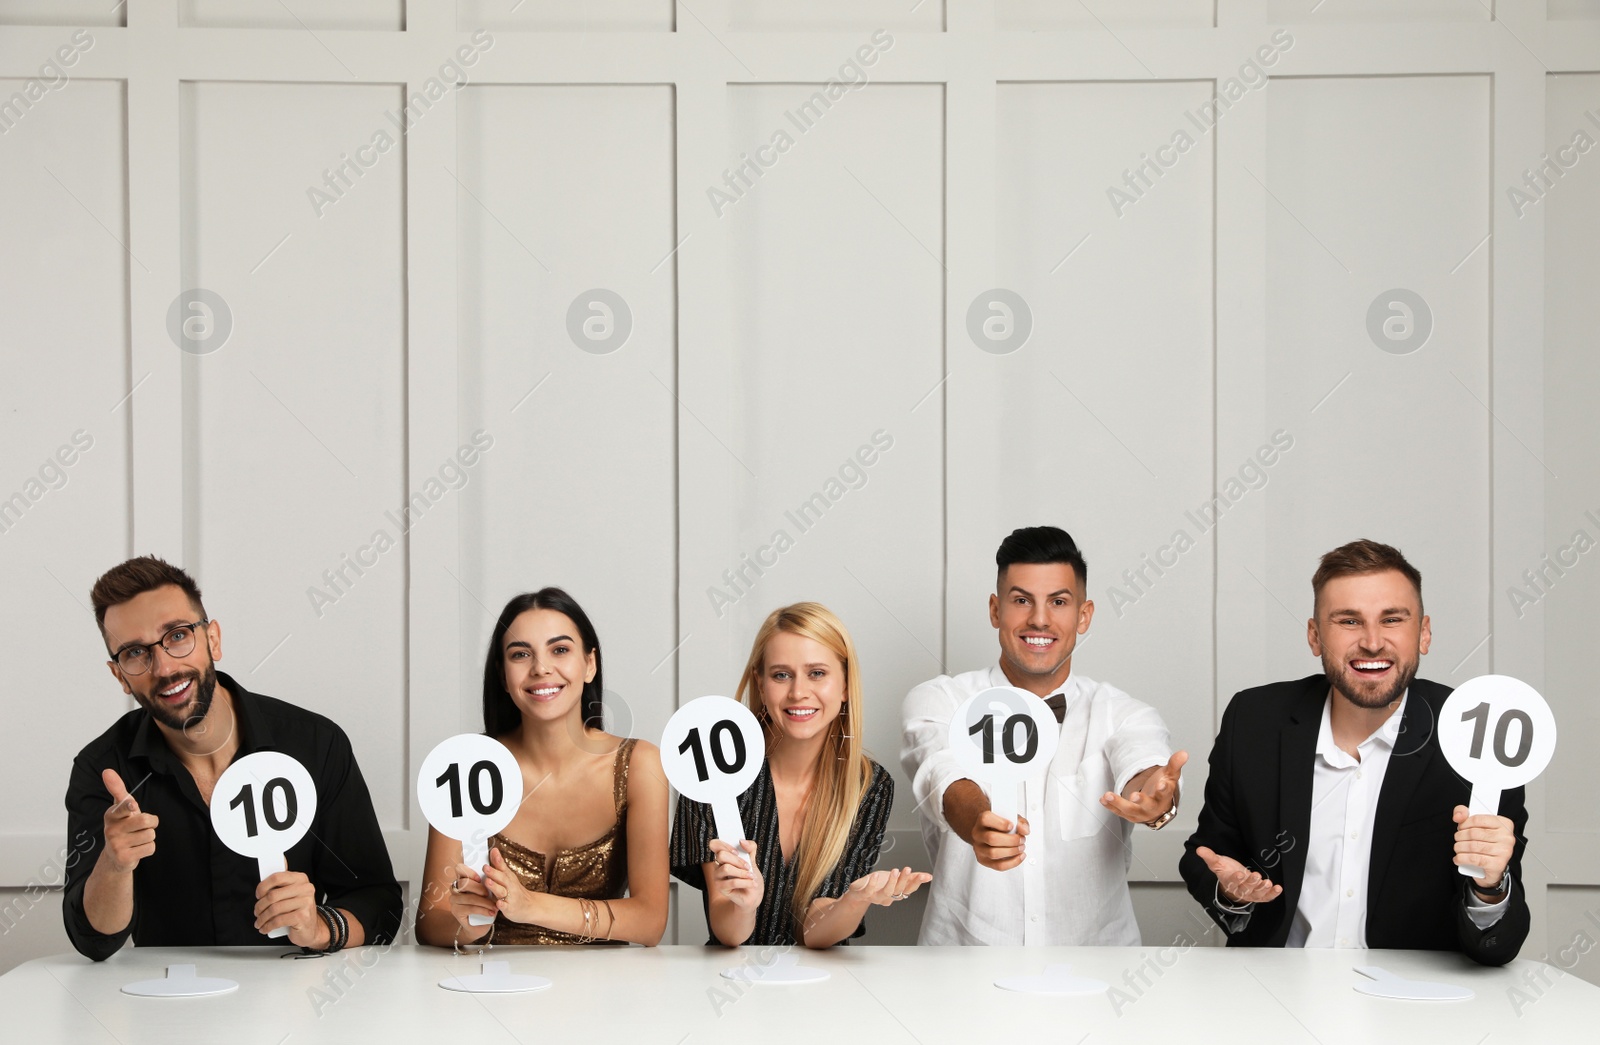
column 1058, row 704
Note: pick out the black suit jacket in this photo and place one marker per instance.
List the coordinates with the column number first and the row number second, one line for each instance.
column 1258, row 811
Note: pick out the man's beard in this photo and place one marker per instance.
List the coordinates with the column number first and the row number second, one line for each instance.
column 192, row 713
column 1350, row 686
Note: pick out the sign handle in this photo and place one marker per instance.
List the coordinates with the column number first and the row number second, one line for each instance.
column 1484, row 800
column 268, row 866
column 1003, row 800
column 475, row 854
column 730, row 826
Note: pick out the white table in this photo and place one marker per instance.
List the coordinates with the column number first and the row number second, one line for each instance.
column 875, row 994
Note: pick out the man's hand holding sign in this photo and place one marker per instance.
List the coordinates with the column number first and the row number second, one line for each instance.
column 1498, row 733
column 1003, row 737
column 262, row 806
column 1006, row 736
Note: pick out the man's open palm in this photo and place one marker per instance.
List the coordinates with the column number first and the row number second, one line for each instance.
column 1239, row 884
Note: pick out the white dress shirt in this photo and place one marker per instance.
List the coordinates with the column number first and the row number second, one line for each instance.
column 1332, row 910
column 1072, row 889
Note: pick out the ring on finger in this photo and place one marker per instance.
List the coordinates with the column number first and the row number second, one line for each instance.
column 455, row 885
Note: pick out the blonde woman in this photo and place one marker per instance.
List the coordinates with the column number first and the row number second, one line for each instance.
column 817, row 812
column 585, row 858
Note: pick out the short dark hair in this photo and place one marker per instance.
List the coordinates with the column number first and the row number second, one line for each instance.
column 500, row 712
column 1039, row 544
column 123, row 582
column 1363, row 556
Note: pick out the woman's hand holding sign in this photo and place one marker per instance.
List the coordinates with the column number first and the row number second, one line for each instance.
column 511, row 897
column 469, row 896
column 738, row 876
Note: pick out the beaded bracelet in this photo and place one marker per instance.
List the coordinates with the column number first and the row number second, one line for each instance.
column 487, row 943
column 344, row 928
column 333, row 932
column 338, row 927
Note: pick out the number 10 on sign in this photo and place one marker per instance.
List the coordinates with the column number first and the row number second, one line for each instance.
column 1004, row 737
column 262, row 806
column 1498, row 733
column 469, row 788
column 712, row 750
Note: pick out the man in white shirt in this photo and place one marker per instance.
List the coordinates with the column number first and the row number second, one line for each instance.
column 1331, row 817
column 1058, row 875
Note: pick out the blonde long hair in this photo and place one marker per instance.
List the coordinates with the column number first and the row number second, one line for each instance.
column 843, row 770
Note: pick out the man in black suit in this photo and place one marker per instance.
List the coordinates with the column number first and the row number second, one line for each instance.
column 1331, row 817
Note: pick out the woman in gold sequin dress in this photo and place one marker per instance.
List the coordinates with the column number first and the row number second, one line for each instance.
column 585, row 859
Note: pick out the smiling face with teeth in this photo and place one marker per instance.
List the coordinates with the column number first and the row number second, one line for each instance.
column 1039, row 612
column 802, row 686
column 545, row 665
column 176, row 691
column 1371, row 633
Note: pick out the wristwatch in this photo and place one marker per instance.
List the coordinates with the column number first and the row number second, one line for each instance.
column 1165, row 818
column 1496, row 894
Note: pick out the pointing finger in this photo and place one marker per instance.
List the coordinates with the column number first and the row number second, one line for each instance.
column 118, row 791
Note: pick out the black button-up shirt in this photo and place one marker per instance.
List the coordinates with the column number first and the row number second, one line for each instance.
column 195, row 891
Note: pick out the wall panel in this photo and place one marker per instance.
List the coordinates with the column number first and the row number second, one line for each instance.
column 274, row 14
column 1043, row 14
column 613, row 16
column 567, row 330
column 1379, row 11
column 64, row 417
column 1562, row 590
column 1101, row 420
column 768, row 15
column 1377, row 347
column 835, row 297
column 299, row 498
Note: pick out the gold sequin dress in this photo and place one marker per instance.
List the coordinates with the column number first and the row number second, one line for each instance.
column 596, row 870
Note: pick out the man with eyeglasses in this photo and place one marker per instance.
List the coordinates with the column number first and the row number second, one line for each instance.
column 142, row 792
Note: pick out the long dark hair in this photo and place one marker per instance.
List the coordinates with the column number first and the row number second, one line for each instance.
column 500, row 713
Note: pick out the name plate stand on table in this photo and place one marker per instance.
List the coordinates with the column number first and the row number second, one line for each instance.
column 495, row 978
column 783, row 969
column 181, row 982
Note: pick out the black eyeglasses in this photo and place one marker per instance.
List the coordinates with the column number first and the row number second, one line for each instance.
column 178, row 642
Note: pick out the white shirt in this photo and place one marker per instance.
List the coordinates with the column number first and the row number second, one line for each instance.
column 1332, row 910
column 1072, row 889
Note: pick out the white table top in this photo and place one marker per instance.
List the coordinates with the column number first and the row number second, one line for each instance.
column 874, row 994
